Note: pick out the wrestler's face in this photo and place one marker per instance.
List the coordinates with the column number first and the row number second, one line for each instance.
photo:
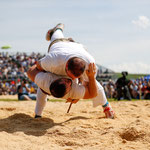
column 70, row 74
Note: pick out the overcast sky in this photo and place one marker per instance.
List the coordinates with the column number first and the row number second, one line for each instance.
column 115, row 32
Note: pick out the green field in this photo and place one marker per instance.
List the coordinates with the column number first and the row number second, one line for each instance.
column 131, row 76
column 61, row 100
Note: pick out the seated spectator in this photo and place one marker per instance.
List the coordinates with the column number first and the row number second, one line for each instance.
column 111, row 88
column 13, row 89
column 140, row 86
column 24, row 92
column 32, row 89
column 147, row 91
column 134, row 90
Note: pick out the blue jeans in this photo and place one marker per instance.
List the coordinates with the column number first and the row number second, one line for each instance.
column 31, row 96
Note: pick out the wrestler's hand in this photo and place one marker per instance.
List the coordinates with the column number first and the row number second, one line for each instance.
column 91, row 70
column 72, row 100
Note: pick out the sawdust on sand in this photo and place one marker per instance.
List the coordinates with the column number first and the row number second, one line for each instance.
column 84, row 128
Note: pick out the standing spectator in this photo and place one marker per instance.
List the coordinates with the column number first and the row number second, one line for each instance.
column 122, row 87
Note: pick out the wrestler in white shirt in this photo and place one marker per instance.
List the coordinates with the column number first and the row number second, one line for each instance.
column 45, row 80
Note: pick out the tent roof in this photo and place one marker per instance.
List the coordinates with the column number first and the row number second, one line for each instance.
column 103, row 69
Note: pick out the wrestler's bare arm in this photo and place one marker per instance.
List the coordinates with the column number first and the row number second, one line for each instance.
column 91, row 88
column 32, row 72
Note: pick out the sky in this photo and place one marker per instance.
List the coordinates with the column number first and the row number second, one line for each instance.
column 115, row 32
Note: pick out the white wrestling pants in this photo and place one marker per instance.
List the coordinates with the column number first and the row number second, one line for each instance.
column 40, row 102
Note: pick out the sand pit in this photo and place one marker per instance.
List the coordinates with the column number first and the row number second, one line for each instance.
column 84, row 128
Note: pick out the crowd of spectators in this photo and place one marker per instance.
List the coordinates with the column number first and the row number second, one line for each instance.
column 13, row 70
column 135, row 89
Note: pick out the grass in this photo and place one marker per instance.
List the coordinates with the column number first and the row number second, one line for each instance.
column 131, row 76
column 9, row 100
column 12, row 100
column 62, row 100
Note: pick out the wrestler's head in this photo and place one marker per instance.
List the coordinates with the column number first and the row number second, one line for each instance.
column 60, row 87
column 75, row 67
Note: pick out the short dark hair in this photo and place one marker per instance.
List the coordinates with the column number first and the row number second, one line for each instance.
column 76, row 65
column 124, row 73
column 59, row 87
